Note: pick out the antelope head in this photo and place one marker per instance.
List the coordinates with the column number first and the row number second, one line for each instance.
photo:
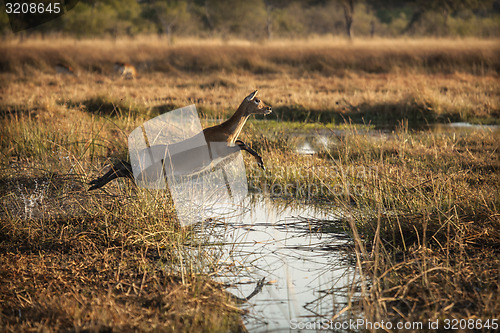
column 252, row 105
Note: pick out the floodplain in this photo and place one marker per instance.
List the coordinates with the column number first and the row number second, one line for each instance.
column 390, row 145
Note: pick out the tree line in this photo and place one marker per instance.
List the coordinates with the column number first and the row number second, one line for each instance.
column 257, row 19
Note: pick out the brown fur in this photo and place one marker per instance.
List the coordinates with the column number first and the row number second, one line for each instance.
column 229, row 130
column 125, row 70
column 63, row 69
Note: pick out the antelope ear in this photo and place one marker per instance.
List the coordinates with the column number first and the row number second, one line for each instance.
column 252, row 95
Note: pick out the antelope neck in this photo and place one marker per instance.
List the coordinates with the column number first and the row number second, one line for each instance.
column 234, row 124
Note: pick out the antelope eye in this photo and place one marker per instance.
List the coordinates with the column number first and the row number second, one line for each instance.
column 257, row 101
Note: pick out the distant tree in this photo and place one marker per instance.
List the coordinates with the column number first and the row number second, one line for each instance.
column 167, row 15
column 4, row 21
column 208, row 16
column 444, row 7
column 241, row 17
column 271, row 5
column 204, row 11
column 348, row 8
column 447, row 7
column 270, row 18
column 96, row 18
column 348, row 14
column 90, row 18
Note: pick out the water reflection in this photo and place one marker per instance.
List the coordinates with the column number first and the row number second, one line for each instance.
column 463, row 126
column 304, row 258
column 314, row 141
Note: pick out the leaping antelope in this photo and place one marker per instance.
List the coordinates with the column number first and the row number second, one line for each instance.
column 125, row 70
column 226, row 132
column 63, row 69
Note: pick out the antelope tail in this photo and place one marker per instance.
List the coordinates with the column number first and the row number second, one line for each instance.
column 118, row 170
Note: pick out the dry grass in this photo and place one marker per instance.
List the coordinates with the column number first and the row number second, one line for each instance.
column 376, row 81
column 422, row 207
column 118, row 290
column 326, row 57
column 75, row 260
column 94, row 261
column 427, row 218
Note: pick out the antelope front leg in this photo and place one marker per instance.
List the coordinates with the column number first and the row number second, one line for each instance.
column 243, row 146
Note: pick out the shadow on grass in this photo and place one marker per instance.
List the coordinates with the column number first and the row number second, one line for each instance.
column 104, row 105
column 18, row 110
column 380, row 114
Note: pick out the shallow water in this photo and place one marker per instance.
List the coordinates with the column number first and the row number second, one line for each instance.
column 463, row 126
column 312, row 142
column 306, row 262
column 300, row 251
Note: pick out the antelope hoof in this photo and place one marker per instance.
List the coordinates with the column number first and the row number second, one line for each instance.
column 260, row 163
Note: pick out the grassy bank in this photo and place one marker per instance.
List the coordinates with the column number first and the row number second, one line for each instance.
column 431, row 221
column 372, row 81
column 94, row 261
column 323, row 56
column 421, row 205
